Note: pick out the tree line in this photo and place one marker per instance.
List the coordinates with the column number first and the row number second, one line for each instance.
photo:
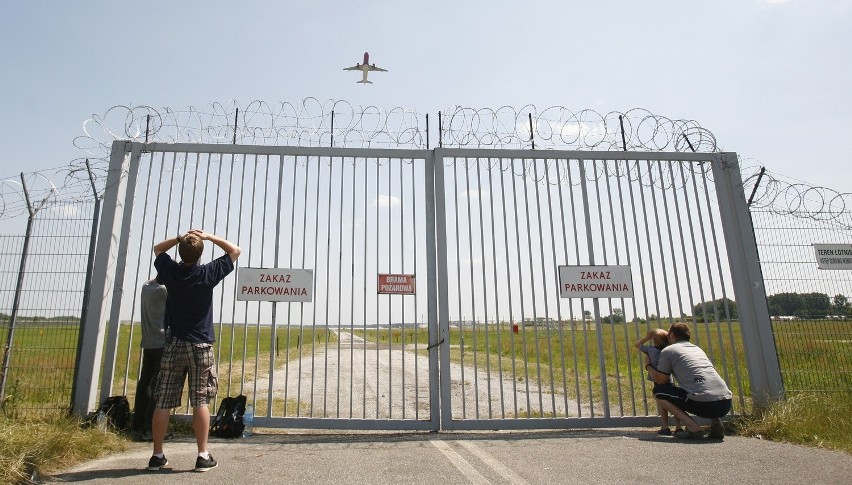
column 788, row 304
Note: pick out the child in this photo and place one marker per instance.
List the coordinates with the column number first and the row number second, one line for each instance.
column 659, row 340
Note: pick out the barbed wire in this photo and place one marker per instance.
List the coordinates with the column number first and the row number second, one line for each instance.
column 557, row 127
column 785, row 196
column 312, row 122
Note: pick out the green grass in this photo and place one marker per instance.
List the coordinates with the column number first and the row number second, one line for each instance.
column 817, row 420
column 814, row 356
column 50, row 444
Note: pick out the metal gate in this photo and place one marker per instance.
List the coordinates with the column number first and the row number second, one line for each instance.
column 482, row 232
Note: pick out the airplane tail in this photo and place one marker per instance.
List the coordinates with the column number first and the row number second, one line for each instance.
column 364, row 81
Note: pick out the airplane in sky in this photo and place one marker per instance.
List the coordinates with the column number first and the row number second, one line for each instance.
column 365, row 67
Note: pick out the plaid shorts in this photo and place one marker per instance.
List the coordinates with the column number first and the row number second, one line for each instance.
column 182, row 359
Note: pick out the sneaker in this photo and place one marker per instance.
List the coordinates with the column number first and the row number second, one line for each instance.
column 202, row 465
column 664, row 432
column 717, row 429
column 156, row 463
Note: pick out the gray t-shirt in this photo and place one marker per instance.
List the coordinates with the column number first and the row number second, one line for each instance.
column 153, row 309
column 694, row 372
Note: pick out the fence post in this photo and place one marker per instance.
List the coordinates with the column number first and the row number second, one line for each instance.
column 87, row 285
column 103, row 277
column 7, row 349
column 747, row 277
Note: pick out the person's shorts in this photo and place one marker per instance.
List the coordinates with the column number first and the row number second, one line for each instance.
column 181, row 360
column 677, row 396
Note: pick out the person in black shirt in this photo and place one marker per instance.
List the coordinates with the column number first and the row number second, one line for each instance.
column 189, row 348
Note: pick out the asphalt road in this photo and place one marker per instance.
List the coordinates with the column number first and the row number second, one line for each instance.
column 546, row 457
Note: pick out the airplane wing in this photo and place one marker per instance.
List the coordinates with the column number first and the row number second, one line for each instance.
column 374, row 68
column 356, row 67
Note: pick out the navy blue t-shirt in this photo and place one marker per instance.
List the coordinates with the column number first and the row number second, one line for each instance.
column 189, row 305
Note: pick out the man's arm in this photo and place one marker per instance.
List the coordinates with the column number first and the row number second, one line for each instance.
column 657, row 376
column 165, row 245
column 232, row 249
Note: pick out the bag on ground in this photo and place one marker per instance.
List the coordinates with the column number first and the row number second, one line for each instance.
column 228, row 422
column 114, row 413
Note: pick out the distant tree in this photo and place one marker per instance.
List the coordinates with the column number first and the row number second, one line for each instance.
column 616, row 317
column 805, row 305
column 709, row 311
column 840, row 305
column 785, row 304
column 587, row 315
column 816, row 305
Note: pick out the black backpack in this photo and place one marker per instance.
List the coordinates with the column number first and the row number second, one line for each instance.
column 228, row 422
column 114, row 412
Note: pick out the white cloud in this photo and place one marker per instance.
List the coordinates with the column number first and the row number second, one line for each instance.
column 385, row 201
column 476, row 194
column 773, row 3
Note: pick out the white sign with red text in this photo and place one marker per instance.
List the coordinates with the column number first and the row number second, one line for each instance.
column 595, row 282
column 275, row 284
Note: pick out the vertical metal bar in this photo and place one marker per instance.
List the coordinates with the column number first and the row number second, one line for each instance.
column 366, row 244
column 627, row 340
column 262, row 265
column 570, row 302
column 509, row 289
column 555, row 264
column 461, row 325
column 378, row 297
column 87, row 288
column 102, row 278
column 327, row 287
column 247, row 257
column 352, row 290
column 414, row 215
column 532, row 276
column 316, row 272
column 595, row 302
column 340, row 284
column 118, row 290
column 390, row 240
column 402, row 200
column 538, row 211
column 438, row 293
column 523, row 327
column 472, row 288
column 136, row 290
column 493, row 258
column 273, row 346
column 761, row 354
column 615, row 356
column 252, row 194
column 588, row 363
column 484, row 287
column 655, row 207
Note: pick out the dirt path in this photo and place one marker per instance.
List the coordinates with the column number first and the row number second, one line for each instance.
column 352, row 378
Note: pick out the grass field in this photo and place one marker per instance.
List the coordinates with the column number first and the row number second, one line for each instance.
column 814, row 356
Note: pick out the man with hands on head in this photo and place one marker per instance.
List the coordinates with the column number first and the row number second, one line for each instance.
column 189, row 347
column 702, row 390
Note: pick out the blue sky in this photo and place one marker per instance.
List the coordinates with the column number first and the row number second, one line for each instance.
column 770, row 78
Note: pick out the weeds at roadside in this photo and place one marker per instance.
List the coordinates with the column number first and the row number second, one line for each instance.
column 818, row 420
column 29, row 446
